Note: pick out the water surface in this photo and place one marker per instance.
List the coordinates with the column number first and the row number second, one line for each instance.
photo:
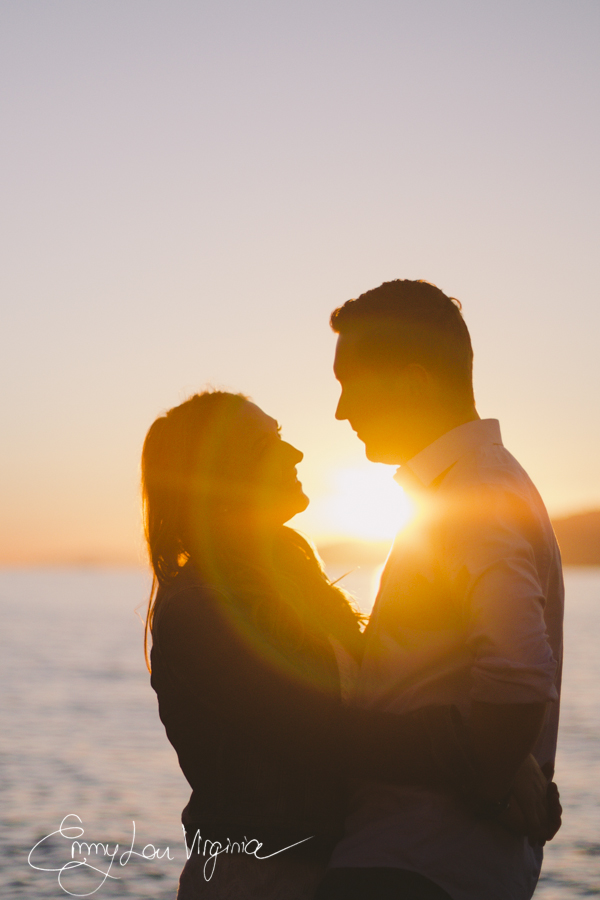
column 80, row 735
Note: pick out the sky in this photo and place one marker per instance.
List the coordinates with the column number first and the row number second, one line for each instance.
column 189, row 189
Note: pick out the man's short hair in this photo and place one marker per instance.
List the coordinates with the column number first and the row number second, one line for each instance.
column 404, row 322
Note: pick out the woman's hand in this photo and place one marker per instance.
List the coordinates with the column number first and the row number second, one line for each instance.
column 534, row 807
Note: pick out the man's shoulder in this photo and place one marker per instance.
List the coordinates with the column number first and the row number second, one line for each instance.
column 487, row 497
column 489, row 484
column 489, row 466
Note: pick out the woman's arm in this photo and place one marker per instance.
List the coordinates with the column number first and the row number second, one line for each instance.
column 235, row 680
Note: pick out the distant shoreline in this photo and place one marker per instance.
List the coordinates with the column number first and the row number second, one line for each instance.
column 578, row 537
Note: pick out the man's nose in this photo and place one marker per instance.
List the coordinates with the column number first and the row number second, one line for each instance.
column 340, row 412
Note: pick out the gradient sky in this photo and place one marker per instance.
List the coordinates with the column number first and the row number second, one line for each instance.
column 189, row 189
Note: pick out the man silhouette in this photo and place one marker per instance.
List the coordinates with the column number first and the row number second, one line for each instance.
column 469, row 610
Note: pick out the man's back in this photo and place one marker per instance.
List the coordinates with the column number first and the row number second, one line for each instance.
column 470, row 609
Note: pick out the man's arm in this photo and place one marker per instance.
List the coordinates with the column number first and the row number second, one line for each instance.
column 513, row 665
column 502, row 737
column 509, row 784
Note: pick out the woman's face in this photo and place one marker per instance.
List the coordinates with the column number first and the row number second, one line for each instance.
column 268, row 467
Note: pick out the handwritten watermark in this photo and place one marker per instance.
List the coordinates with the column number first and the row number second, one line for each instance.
column 81, row 852
column 103, row 857
column 213, row 849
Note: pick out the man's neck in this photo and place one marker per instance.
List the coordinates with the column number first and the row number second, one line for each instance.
column 434, row 428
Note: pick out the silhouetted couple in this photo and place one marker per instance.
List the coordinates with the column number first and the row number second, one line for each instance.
column 412, row 760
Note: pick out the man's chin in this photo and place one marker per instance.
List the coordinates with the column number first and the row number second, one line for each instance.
column 378, row 454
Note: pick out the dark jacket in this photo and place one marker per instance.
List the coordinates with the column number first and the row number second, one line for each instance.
column 260, row 730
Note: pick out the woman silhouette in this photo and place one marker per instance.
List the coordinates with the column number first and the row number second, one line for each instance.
column 248, row 641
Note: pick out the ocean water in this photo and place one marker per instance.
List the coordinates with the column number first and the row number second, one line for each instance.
column 81, row 743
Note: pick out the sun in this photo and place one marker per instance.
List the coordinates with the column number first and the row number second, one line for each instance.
column 366, row 503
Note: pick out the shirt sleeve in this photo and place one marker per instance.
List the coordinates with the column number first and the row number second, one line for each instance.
column 500, row 548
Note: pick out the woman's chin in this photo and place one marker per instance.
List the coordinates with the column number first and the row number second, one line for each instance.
column 297, row 504
column 304, row 501
column 276, row 511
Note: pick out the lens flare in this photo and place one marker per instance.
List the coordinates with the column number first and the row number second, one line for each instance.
column 366, row 503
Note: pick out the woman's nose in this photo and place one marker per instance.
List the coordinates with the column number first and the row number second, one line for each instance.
column 297, row 455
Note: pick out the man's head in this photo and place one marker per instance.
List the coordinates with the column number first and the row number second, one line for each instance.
column 404, row 362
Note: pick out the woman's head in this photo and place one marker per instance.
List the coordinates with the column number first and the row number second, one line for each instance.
column 215, row 473
column 212, row 466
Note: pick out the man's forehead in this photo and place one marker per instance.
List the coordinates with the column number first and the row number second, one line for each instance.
column 347, row 361
column 369, row 350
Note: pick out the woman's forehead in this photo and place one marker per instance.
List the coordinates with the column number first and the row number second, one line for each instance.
column 252, row 416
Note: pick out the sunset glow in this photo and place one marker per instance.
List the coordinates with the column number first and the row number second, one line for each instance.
column 190, row 189
column 366, row 503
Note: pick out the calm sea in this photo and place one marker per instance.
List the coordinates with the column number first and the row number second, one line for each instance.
column 80, row 738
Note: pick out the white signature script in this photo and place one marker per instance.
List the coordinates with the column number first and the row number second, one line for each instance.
column 80, row 861
column 212, row 849
column 105, row 857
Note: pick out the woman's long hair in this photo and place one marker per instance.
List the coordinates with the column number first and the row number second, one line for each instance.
column 193, row 478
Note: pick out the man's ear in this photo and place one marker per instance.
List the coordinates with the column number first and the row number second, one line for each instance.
column 414, row 382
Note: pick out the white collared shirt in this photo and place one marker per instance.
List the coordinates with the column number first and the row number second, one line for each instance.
column 470, row 608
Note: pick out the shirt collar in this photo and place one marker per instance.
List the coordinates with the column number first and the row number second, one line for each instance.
column 438, row 456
